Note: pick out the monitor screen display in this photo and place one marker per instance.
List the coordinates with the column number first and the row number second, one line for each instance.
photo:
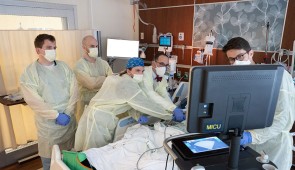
column 205, row 144
column 165, row 41
column 122, row 48
column 224, row 98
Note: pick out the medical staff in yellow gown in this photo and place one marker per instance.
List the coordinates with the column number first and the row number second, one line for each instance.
column 50, row 89
column 276, row 140
column 90, row 71
column 118, row 94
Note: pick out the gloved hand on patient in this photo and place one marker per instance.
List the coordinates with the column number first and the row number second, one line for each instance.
column 178, row 115
column 62, row 119
column 246, row 138
column 143, row 119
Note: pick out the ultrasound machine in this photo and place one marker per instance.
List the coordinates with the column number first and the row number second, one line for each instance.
column 223, row 102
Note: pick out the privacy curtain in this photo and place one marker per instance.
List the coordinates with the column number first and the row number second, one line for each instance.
column 17, row 51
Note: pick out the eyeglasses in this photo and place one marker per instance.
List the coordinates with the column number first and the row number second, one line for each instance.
column 239, row 57
column 163, row 64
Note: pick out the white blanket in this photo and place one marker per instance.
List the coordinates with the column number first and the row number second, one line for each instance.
column 125, row 153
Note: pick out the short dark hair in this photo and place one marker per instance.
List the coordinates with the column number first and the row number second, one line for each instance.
column 39, row 40
column 237, row 43
column 158, row 55
column 124, row 71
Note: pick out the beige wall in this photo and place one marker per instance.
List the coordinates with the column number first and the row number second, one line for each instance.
column 114, row 18
column 83, row 12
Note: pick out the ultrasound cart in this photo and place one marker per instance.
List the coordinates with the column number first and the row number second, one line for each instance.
column 214, row 159
column 223, row 102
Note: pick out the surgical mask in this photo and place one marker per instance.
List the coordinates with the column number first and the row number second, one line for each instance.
column 138, row 77
column 50, row 55
column 160, row 71
column 93, row 52
column 237, row 62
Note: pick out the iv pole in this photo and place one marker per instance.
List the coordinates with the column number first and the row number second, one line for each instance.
column 266, row 43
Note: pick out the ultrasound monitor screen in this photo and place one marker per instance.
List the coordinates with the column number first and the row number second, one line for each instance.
column 205, row 144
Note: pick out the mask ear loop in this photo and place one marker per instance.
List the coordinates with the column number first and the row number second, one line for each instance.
column 85, row 49
column 248, row 52
column 156, row 64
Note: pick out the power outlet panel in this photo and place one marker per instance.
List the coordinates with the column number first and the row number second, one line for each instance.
column 181, row 36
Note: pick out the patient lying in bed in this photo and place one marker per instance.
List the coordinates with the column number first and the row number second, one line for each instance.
column 140, row 148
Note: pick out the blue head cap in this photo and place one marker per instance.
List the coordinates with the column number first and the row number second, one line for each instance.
column 134, row 62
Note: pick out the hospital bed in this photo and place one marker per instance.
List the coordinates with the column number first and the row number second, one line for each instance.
column 140, row 148
column 123, row 124
column 180, row 94
column 56, row 160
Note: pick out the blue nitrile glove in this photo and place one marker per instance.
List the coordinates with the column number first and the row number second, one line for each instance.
column 246, row 139
column 142, row 119
column 63, row 119
column 178, row 115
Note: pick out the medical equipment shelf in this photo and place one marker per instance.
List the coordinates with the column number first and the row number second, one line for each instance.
column 11, row 103
column 174, row 46
column 177, row 65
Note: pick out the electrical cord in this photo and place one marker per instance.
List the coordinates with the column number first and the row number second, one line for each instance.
column 133, row 26
column 166, row 161
column 280, row 53
column 181, row 78
column 153, row 149
column 173, row 165
column 183, row 47
column 145, row 23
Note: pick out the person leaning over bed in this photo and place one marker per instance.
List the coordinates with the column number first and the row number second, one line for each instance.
column 154, row 84
column 119, row 94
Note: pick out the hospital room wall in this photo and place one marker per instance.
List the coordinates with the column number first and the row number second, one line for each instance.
column 112, row 17
column 82, row 13
column 177, row 16
column 115, row 20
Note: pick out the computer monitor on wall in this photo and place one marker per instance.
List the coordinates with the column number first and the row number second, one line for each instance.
column 231, row 99
column 165, row 41
column 122, row 48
